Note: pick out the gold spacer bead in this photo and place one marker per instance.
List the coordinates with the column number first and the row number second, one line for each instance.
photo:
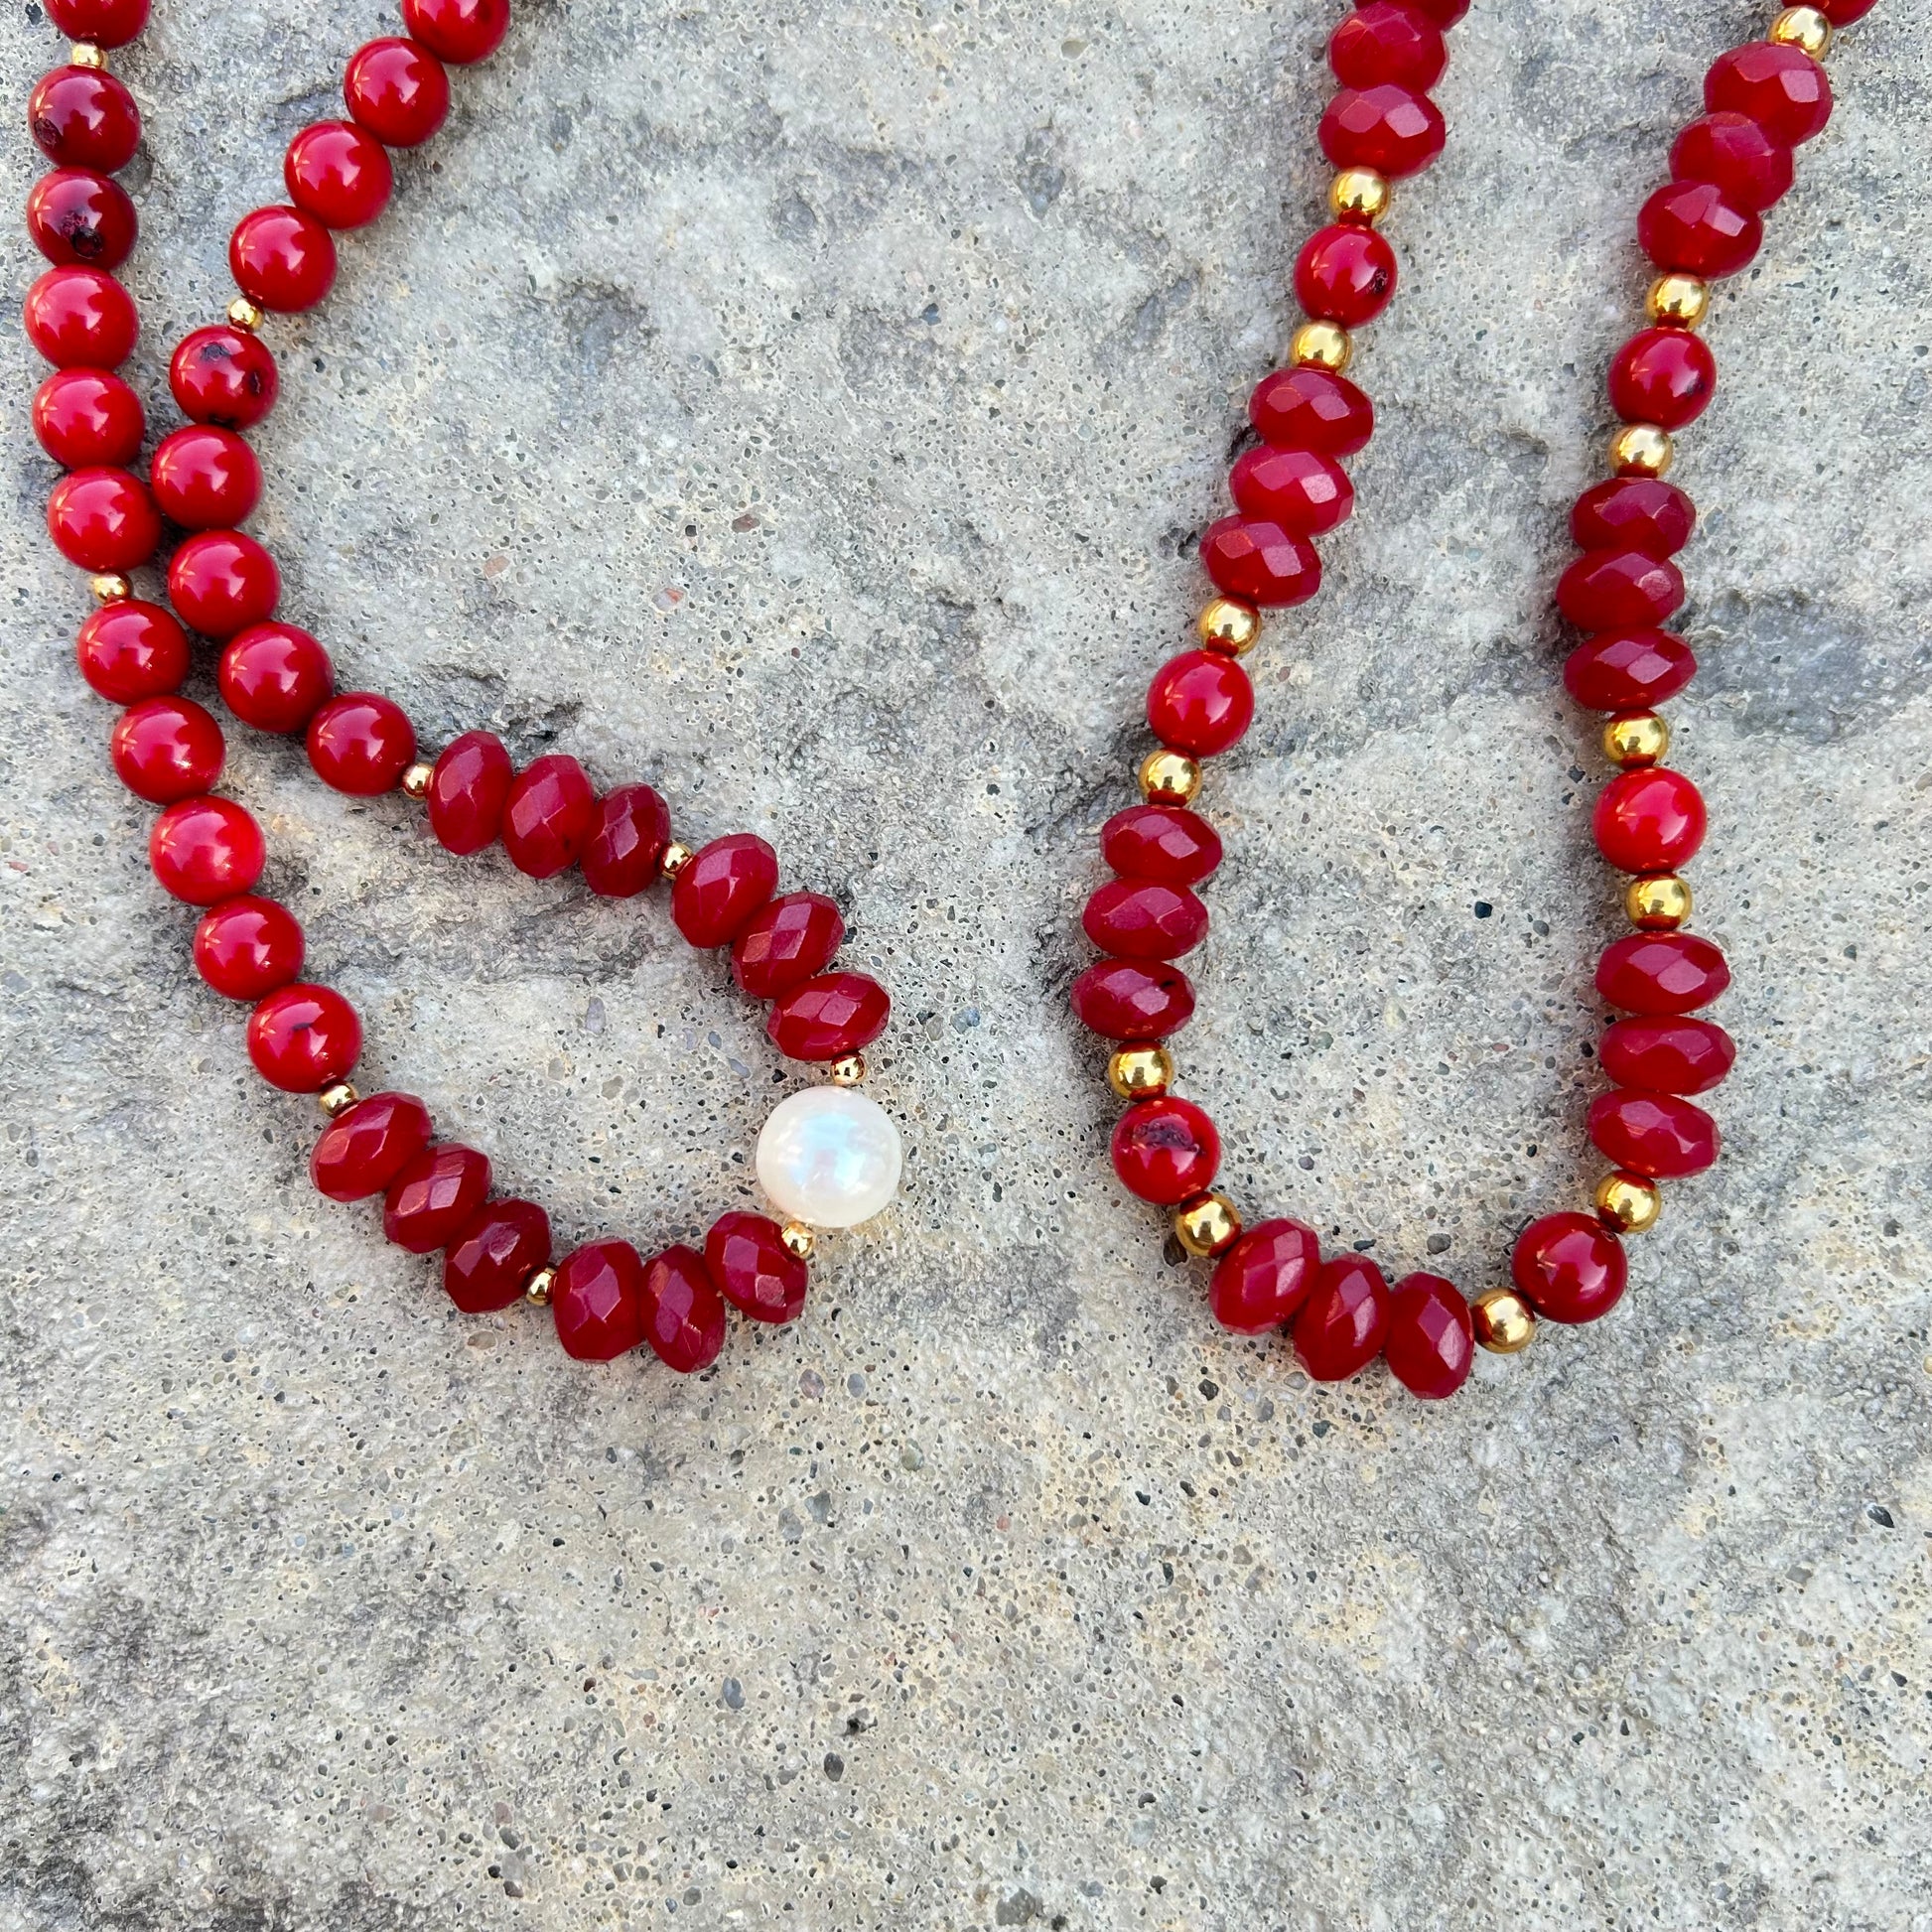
column 337, row 1098
column 536, row 1291
column 1321, row 346
column 1634, row 738
column 1505, row 1324
column 1360, row 195
column 247, row 315
column 1229, row 625
column 1207, row 1225
column 799, row 1240
column 674, row 859
column 848, row 1069
column 1680, row 301
column 1141, row 1072
column 416, row 780
column 1804, row 27
column 1641, row 450
column 1628, row 1202
column 1170, row 778
column 85, row 54
column 1660, row 902
column 110, row 587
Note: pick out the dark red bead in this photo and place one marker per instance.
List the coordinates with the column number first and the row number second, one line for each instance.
column 825, row 1018
column 490, row 1262
column 206, row 478
column 132, row 650
column 1384, row 41
column 303, row 1036
column 88, row 419
column 398, row 90
column 1394, row 130
column 1119, row 999
column 339, row 173
column 274, row 676
column 1752, row 171
column 1311, row 409
column 1301, row 490
column 221, row 582
column 1648, row 820
column 1656, row 1134
column 1782, row 88
column 548, row 816
column 103, row 519
column 282, row 258
column 1345, row 274
column 164, row 749
column 786, row 942
column 1667, row 1055
column 82, row 117
column 106, row 23
column 467, row 790
column 81, row 318
column 633, row 826
column 225, row 376
column 75, row 215
column 434, row 1197
column 598, row 1301
column 1569, row 1268
column 1660, row 973
column 720, row 887
column 1165, row 1150
column 1263, row 1280
column 1341, row 1324
column 1445, row 13
column 1629, row 670
column 1664, row 376
column 1633, row 513
column 684, row 1315
column 1200, row 702
column 1165, row 842
column 246, row 947
column 1431, row 1344
column 1611, row 589
column 362, row 1151
column 1141, row 918
column 754, row 1271
column 361, row 743
column 1842, row 13
column 1688, row 226
column 1259, row 562
column 458, row 30
column 205, row 850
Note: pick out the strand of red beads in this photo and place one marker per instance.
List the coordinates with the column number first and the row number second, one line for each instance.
column 209, row 852
column 1726, row 169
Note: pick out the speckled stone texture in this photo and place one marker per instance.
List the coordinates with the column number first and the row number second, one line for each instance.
column 811, row 409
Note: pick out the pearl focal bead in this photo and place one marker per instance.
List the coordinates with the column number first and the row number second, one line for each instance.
column 829, row 1156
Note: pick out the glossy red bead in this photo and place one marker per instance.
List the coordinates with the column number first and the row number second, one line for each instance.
column 435, row 1196
column 1263, row 1280
column 206, row 478
column 77, row 215
column 1569, row 1268
column 1142, row 918
column 205, row 849
column 1200, row 702
column 303, row 1036
column 88, row 419
column 1259, row 562
column 1345, row 274
column 282, row 258
column 81, row 317
column 361, row 743
column 246, row 947
column 132, row 650
column 747, row 1257
column 1782, row 88
column 633, row 828
column 339, row 173
column 103, row 519
column 1612, row 590
column 1648, row 820
column 1633, row 513
column 1167, row 843
column 1120, row 999
column 598, row 1301
column 106, row 23
column 720, row 887
column 468, row 791
column 1394, row 130
column 1301, row 490
column 548, row 816
column 1656, row 1134
column 82, row 117
column 1629, row 670
column 1842, row 13
column 1343, row 1320
column 1664, row 376
column 1662, row 973
column 1385, row 41
column 1667, row 1055
column 684, row 1315
column 786, row 943
column 1688, row 226
column 490, row 1263
column 458, row 30
column 165, row 749
column 398, row 90
column 1165, row 1150
column 824, row 1018
column 274, row 676
column 1751, row 170
column 221, row 582
column 1311, row 409
column 1431, row 1344
column 363, row 1150
column 225, row 376
column 1445, row 13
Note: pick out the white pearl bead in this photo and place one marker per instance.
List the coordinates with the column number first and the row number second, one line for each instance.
column 829, row 1156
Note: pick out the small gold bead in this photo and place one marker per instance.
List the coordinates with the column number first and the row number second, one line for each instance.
column 536, row 1291
column 1628, row 1202
column 85, row 54
column 247, row 315
column 1141, row 1072
column 1634, row 738
column 848, row 1069
column 337, row 1098
column 1660, row 902
column 1207, row 1225
column 676, row 858
column 1359, row 195
column 415, row 782
column 1641, row 450
column 1680, row 301
column 799, row 1240
column 110, row 587
column 1804, row 27
column 1321, row 346
column 1170, row 778
column 1504, row 1322
column 1229, row 625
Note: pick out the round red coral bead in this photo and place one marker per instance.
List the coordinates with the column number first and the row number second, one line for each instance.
column 1606, row 590
column 720, row 887
column 362, row 1151
column 132, row 650
column 490, row 1263
column 598, row 1301
column 81, row 317
column 221, row 582
column 1688, row 226
column 1431, row 1343
column 1263, row 1280
column 339, row 173
column 1659, row 973
column 103, row 519
column 1311, row 409
column 1658, row 1134
column 1200, row 703
column 825, row 1018
column 1394, row 130
column 204, row 478
column 303, row 1036
column 274, row 676
column 548, row 816
column 1385, row 41
column 246, row 947
column 282, row 258
column 88, row 419
column 1782, row 88
column 223, row 375
column 1141, row 918
column 1341, row 1324
column 1260, row 563
column 458, row 30
column 435, row 1196
column 633, row 828
column 1667, row 1055
column 1164, row 841
column 205, row 849
column 361, row 743
column 1629, row 670
column 1648, row 820
column 1737, row 157
column 75, row 215
column 1166, row 1150
column 1633, row 513
column 1120, row 999
column 82, row 117
column 684, row 1315
column 398, row 90
column 164, row 749
column 786, row 943
column 1569, row 1268
column 106, row 23
column 1664, row 376
column 747, row 1256
column 1301, row 490
column 1345, row 274
column 467, row 792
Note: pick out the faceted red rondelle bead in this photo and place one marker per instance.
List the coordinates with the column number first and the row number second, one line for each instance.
column 490, row 1262
column 206, row 478
column 246, row 947
column 1629, row 670
column 1341, row 1324
column 362, row 1151
column 274, row 676
column 1384, row 41
column 1165, row 1150
column 1259, row 562
column 1658, row 1134
column 1200, row 702
column 82, row 117
column 458, row 30
column 361, row 743
column 467, row 792
column 1667, row 1055
column 103, row 519
column 339, row 173
column 106, row 23
column 1648, row 820
column 282, row 258
column 1608, row 589
column 88, row 419
column 303, row 1036
column 398, row 90
column 205, row 849
column 633, row 828
column 720, row 887
column 1165, row 842
column 164, row 749
column 825, row 1018
column 1394, row 130
column 433, row 1196
column 81, row 317
column 754, row 1271
column 1735, row 155
column 1659, row 973
column 75, row 215
column 786, row 943
column 221, row 582
column 1311, row 409
column 1301, row 490
column 1431, row 1344
column 223, row 375
column 1633, row 513
column 1664, row 376
column 1345, row 274
column 1261, row 1280
column 1141, row 918
column 684, row 1315
column 1569, row 1268
column 598, row 1301
column 1120, row 999
column 1689, row 227
column 548, row 816
column 1782, row 88
column 132, row 650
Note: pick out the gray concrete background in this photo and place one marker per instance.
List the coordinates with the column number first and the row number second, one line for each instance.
column 809, row 408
